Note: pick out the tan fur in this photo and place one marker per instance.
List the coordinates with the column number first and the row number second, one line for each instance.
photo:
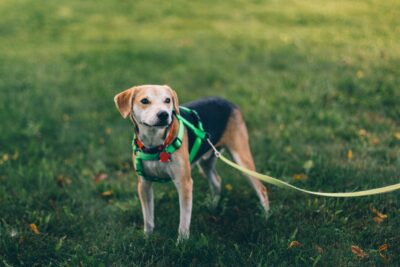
column 175, row 100
column 123, row 101
column 236, row 140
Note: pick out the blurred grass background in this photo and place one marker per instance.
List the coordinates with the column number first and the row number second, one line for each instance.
column 318, row 83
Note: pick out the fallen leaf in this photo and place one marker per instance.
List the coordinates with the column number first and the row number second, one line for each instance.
column 228, row 187
column 108, row 130
column 5, row 157
column 319, row 249
column 63, row 181
column 300, row 177
column 358, row 251
column 294, row 244
column 383, row 247
column 107, row 193
column 381, row 215
column 100, row 177
column 34, row 228
column 397, row 135
column 362, row 132
column 375, row 141
column 350, row 154
column 377, row 219
column 377, row 213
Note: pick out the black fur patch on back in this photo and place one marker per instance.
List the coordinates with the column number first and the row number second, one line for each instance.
column 214, row 113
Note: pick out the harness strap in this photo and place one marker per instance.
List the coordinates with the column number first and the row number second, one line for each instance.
column 198, row 131
column 140, row 155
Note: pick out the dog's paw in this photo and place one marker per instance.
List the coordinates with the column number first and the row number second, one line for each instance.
column 264, row 212
column 182, row 238
column 148, row 229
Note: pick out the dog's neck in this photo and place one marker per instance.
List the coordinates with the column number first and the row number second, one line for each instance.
column 151, row 136
column 154, row 136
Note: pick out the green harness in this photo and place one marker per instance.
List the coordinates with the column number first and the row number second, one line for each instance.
column 198, row 131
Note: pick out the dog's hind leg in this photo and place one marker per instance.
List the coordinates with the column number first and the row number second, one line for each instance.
column 207, row 165
column 145, row 189
column 236, row 140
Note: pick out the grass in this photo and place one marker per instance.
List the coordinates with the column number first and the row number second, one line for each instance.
column 314, row 80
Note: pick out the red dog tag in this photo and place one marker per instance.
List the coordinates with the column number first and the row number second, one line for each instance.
column 165, row 157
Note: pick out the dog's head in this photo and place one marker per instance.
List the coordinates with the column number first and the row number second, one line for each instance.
column 150, row 105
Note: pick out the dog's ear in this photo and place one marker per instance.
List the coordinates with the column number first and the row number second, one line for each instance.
column 175, row 100
column 124, row 101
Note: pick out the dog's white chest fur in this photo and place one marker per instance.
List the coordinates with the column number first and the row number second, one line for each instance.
column 155, row 168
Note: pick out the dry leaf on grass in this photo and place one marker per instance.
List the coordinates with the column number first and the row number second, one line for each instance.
column 350, row 154
column 362, row 132
column 5, row 157
column 34, row 228
column 374, row 141
column 294, row 244
column 358, row 252
column 383, row 247
column 377, row 219
column 319, row 249
column 377, row 213
column 397, row 135
column 100, row 177
column 228, row 187
column 63, row 181
column 300, row 177
column 107, row 193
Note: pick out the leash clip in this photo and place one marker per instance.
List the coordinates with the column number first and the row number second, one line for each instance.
column 216, row 152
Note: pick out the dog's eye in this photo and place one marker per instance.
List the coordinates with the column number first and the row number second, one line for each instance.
column 168, row 100
column 145, row 101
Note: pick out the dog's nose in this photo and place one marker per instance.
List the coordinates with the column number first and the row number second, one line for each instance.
column 162, row 115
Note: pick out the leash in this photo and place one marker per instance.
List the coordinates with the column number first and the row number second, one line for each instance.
column 282, row 184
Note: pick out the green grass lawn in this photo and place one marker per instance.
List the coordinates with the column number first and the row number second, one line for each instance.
column 317, row 81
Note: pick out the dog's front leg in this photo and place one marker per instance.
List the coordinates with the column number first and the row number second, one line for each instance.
column 145, row 189
column 184, row 185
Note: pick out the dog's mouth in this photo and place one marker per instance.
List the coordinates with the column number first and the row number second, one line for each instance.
column 161, row 124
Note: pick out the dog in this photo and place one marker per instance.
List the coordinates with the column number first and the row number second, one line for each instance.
column 153, row 110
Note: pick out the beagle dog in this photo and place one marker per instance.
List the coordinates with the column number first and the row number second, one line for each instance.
column 153, row 109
